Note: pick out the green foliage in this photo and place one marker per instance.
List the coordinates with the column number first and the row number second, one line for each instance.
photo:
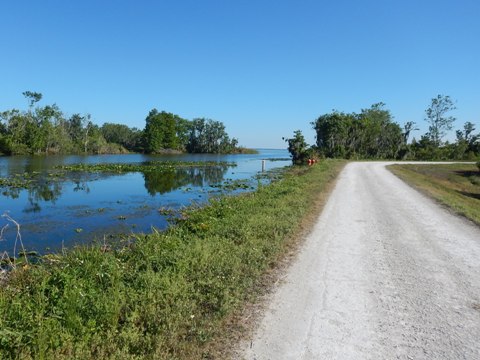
column 436, row 117
column 129, row 138
column 373, row 134
column 45, row 130
column 162, row 296
column 370, row 135
column 298, row 148
column 466, row 147
column 4, row 145
column 164, row 131
column 33, row 97
column 209, row 136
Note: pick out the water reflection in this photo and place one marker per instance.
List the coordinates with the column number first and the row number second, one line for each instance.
column 44, row 191
column 58, row 208
column 161, row 182
column 44, row 188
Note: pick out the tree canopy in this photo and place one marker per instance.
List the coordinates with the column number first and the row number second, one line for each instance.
column 166, row 131
column 47, row 130
column 373, row 134
column 436, row 116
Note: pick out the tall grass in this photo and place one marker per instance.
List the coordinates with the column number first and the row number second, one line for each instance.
column 164, row 296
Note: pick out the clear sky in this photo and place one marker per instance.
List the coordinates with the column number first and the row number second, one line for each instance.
column 263, row 67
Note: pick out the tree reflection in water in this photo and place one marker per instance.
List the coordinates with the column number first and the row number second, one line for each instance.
column 45, row 188
column 164, row 181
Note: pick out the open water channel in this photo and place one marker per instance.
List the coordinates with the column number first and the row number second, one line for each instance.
column 86, row 207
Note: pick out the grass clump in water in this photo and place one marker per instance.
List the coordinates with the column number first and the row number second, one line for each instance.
column 164, row 296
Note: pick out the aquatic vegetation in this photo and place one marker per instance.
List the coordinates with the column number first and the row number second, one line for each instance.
column 149, row 166
column 166, row 211
column 92, row 200
column 233, row 185
column 28, row 180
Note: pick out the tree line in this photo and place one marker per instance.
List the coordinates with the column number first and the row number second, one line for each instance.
column 167, row 131
column 373, row 134
column 46, row 130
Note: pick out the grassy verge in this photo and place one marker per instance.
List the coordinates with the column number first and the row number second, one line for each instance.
column 454, row 185
column 167, row 295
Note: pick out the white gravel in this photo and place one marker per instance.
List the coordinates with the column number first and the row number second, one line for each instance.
column 385, row 274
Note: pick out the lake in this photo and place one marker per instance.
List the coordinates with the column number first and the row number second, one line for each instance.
column 86, row 207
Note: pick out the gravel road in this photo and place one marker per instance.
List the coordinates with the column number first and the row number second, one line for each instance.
column 385, row 274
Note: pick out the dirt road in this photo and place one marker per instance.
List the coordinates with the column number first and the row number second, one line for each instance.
column 385, row 274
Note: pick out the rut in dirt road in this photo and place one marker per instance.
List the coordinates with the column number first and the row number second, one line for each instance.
column 385, row 274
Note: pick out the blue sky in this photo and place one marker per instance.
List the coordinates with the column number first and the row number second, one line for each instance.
column 264, row 68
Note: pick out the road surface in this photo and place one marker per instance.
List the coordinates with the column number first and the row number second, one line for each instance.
column 385, row 274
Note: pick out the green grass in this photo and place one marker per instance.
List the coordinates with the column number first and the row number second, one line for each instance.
column 454, row 185
column 167, row 295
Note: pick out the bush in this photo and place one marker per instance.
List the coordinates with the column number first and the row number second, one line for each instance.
column 298, row 148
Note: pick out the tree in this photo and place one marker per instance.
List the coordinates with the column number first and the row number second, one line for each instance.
column 370, row 134
column 381, row 138
column 467, row 133
column 75, row 130
column 182, row 128
column 439, row 122
column 332, row 133
column 45, row 130
column 407, row 129
column 161, row 131
column 297, row 147
column 33, row 97
column 4, row 148
column 209, row 136
column 52, row 134
column 467, row 142
column 129, row 138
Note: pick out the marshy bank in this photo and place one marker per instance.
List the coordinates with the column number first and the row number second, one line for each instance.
column 167, row 295
column 61, row 201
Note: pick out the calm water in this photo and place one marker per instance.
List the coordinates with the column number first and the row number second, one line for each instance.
column 88, row 206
